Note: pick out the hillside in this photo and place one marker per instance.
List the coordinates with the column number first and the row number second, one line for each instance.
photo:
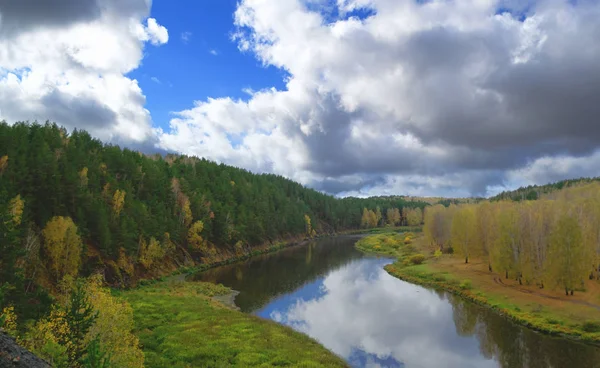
column 532, row 192
column 73, row 206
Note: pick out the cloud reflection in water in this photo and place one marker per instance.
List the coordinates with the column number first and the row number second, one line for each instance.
column 374, row 320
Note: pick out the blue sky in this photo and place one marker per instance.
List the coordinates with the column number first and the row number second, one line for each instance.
column 188, row 71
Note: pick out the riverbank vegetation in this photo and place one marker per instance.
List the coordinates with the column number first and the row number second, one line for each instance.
column 179, row 325
column 533, row 294
column 553, row 242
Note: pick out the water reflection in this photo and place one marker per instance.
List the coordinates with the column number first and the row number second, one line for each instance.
column 372, row 319
column 353, row 307
column 264, row 277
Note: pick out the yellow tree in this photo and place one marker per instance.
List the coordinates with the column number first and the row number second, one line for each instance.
column 83, row 177
column 485, row 230
column 3, row 164
column 113, row 326
column 507, row 239
column 378, row 216
column 62, row 245
column 393, row 216
column 150, row 252
column 15, row 208
column 414, row 217
column 118, row 201
column 364, row 221
column 195, row 240
column 372, row 218
column 310, row 232
column 541, row 221
column 568, row 261
column 463, row 231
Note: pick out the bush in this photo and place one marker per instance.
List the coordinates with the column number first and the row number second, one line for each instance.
column 591, row 326
column 465, row 285
column 437, row 254
column 417, row 259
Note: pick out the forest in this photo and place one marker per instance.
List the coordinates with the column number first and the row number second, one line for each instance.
column 72, row 207
column 553, row 241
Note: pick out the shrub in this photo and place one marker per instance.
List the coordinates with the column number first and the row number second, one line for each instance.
column 407, row 240
column 437, row 254
column 417, row 259
column 465, row 285
column 591, row 326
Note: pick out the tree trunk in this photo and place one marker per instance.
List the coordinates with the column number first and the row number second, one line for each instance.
column 566, row 292
column 571, row 291
column 467, row 259
column 506, row 274
column 489, row 267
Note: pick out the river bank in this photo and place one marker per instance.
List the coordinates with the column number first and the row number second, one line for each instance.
column 179, row 324
column 226, row 259
column 547, row 311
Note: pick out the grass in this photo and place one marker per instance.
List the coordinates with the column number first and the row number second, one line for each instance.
column 179, row 325
column 544, row 310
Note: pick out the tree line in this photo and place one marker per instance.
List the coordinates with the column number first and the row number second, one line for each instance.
column 553, row 241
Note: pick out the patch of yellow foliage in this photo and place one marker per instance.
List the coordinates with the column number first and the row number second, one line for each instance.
column 195, row 240
column 3, row 164
column 118, row 201
column 114, row 326
column 10, row 320
column 63, row 247
column 16, row 207
column 150, row 252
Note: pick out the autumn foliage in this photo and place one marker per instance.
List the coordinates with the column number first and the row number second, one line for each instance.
column 553, row 241
column 62, row 245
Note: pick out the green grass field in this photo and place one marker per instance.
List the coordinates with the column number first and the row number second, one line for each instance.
column 179, row 325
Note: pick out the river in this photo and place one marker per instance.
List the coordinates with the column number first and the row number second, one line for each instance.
column 345, row 300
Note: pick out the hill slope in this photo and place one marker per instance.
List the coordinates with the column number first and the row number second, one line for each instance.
column 71, row 205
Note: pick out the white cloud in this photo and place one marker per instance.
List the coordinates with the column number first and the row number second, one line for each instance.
column 155, row 80
column 186, row 36
column 417, row 96
column 73, row 72
column 153, row 32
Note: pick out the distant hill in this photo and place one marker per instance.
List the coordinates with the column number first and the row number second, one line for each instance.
column 429, row 200
column 533, row 192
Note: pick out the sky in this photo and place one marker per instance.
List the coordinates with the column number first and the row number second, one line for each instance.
column 350, row 97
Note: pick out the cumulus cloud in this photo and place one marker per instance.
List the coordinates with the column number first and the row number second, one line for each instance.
column 65, row 61
column 414, row 96
column 381, row 96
